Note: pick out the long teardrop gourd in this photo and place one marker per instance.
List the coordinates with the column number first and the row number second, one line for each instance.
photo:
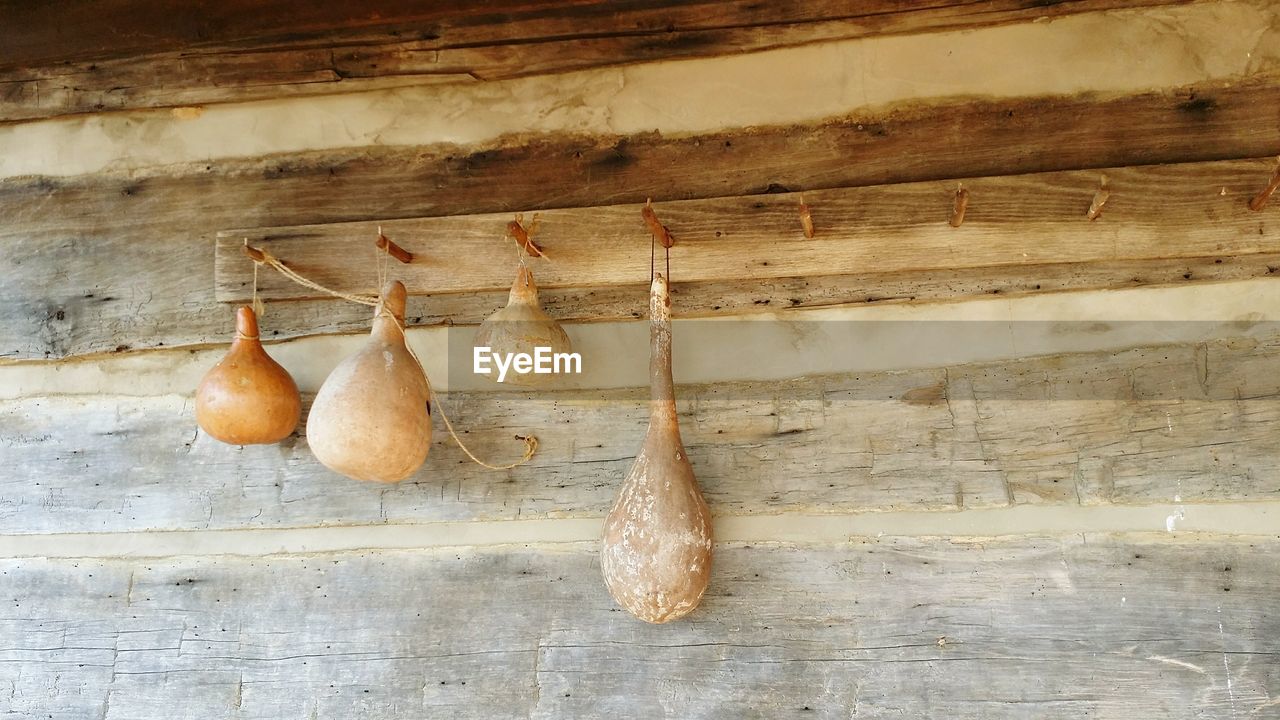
column 371, row 419
column 521, row 327
column 656, row 551
column 247, row 398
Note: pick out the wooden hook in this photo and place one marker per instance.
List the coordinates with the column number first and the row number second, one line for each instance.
column 524, row 236
column 1259, row 201
column 254, row 253
column 393, row 249
column 961, row 204
column 656, row 227
column 806, row 218
column 1099, row 199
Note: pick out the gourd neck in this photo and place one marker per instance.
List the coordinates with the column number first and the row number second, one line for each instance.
column 524, row 291
column 246, row 329
column 388, row 316
column 662, row 392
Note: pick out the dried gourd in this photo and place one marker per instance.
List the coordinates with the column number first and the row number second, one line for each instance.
column 371, row 419
column 656, row 550
column 521, row 328
column 247, row 398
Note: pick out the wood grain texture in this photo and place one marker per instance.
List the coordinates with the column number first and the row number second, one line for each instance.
column 83, row 274
column 1093, row 626
column 140, row 326
column 1153, row 212
column 63, row 57
column 1137, row 427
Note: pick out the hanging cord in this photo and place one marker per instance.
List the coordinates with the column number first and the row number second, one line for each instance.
column 258, row 308
column 530, row 442
column 382, row 261
column 653, row 259
column 271, row 260
column 653, row 242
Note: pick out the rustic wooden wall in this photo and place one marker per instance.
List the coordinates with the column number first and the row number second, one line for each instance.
column 1022, row 468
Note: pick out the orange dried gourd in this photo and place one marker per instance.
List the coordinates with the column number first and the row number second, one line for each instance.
column 371, row 419
column 247, row 398
column 656, row 550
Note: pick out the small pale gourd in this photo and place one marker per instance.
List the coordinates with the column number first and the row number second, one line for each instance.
column 656, row 551
column 522, row 327
column 371, row 419
column 247, row 398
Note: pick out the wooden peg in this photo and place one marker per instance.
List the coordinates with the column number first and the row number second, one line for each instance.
column 1259, row 201
column 393, row 249
column 961, row 204
column 254, row 253
column 656, row 227
column 806, row 218
column 1099, row 199
column 524, row 236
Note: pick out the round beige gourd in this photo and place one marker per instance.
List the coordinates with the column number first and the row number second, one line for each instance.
column 521, row 327
column 371, row 419
column 656, row 550
column 247, row 398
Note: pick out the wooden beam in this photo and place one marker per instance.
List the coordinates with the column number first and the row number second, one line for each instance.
column 66, row 57
column 1135, row 427
column 1153, row 213
column 158, row 328
column 83, row 273
column 1086, row 626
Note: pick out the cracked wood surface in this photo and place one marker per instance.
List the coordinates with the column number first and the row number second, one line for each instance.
column 85, row 272
column 1086, row 626
column 1144, row 426
column 63, row 58
column 1154, row 213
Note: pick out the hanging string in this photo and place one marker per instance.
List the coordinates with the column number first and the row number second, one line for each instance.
column 272, row 261
column 653, row 241
column 530, row 442
column 381, row 261
column 255, row 305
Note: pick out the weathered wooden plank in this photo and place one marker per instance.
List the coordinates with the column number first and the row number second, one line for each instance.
column 309, row 318
column 306, row 318
column 1153, row 212
column 1096, row 626
column 1151, row 425
column 69, row 58
column 83, row 274
column 61, row 31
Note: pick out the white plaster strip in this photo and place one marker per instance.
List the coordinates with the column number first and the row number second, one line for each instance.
column 1121, row 51
column 781, row 345
column 1226, row 518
